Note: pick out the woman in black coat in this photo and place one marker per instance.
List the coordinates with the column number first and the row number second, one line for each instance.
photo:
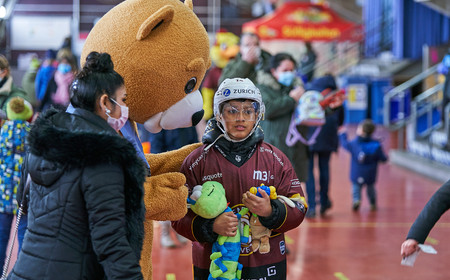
column 86, row 210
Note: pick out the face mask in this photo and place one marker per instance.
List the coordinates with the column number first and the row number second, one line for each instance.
column 117, row 124
column 286, row 78
column 64, row 68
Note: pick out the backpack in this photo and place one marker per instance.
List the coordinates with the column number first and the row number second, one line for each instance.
column 310, row 111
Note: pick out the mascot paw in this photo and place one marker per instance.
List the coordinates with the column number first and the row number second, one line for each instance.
column 165, row 197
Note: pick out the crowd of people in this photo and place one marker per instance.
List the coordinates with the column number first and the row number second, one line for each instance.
column 71, row 116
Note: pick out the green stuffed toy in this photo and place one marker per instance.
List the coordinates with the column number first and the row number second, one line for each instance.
column 209, row 201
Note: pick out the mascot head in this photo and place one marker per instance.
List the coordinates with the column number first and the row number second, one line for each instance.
column 162, row 51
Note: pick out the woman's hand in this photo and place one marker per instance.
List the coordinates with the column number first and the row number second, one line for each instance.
column 296, row 93
column 258, row 205
column 408, row 247
column 226, row 224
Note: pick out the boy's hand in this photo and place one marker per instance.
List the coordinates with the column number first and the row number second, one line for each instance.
column 226, row 224
column 258, row 205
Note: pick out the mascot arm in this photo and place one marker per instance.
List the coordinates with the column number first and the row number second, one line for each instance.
column 169, row 161
column 165, row 196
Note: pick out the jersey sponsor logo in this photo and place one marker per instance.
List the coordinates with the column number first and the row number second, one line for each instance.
column 271, row 270
column 295, row 183
column 262, row 175
column 300, row 206
column 195, row 163
column 282, row 249
column 244, row 90
column 246, row 250
column 212, row 177
column 262, row 150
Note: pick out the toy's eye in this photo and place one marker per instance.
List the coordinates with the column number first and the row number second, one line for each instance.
column 190, row 85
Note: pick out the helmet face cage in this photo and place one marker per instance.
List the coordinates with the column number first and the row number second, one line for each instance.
column 246, row 110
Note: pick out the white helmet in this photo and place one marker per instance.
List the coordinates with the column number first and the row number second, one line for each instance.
column 237, row 88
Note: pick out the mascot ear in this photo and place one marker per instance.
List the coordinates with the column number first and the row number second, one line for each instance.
column 164, row 14
column 189, row 4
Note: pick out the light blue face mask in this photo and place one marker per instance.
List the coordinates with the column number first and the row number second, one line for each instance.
column 64, row 68
column 286, row 78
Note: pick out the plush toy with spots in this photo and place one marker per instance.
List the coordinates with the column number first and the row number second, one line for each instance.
column 209, row 201
column 161, row 49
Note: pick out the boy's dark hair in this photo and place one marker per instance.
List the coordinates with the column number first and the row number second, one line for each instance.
column 367, row 127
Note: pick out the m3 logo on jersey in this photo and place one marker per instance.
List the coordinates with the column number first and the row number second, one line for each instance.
column 262, row 175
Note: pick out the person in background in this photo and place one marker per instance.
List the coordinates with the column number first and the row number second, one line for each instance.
column 64, row 75
column 45, row 74
column 13, row 134
column 263, row 7
column 307, row 63
column 438, row 204
column 281, row 91
column 233, row 150
column 366, row 153
column 326, row 143
column 57, row 93
column 7, row 88
column 28, row 81
column 248, row 62
column 168, row 140
column 86, row 218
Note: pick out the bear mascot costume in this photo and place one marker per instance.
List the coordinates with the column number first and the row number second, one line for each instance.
column 161, row 49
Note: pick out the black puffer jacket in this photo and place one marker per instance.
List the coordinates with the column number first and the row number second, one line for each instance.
column 86, row 210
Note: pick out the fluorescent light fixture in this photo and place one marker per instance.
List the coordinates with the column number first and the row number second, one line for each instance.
column 2, row 12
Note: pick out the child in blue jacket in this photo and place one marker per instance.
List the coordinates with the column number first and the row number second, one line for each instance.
column 366, row 153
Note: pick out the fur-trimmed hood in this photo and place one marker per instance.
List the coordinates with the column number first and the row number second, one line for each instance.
column 60, row 141
column 78, row 140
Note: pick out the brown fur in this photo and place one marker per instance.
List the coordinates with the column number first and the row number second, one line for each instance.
column 260, row 236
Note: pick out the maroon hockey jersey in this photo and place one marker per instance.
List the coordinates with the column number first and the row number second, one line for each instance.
column 267, row 165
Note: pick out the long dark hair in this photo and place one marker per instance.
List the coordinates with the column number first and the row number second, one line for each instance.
column 96, row 78
column 276, row 60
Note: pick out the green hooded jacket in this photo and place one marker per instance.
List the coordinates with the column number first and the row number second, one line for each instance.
column 279, row 109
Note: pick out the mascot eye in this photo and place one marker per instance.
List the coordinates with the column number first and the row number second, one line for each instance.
column 190, row 85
